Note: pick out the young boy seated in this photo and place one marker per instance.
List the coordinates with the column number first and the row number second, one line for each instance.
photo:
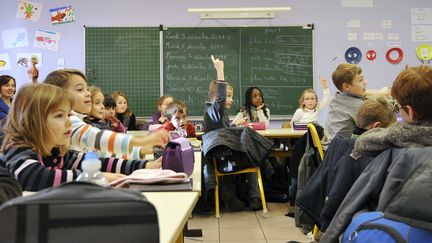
column 341, row 117
column 176, row 112
column 216, row 116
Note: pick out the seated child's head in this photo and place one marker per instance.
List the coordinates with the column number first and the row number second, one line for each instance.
column 253, row 97
column 75, row 83
column 176, row 112
column 98, row 108
column 212, row 94
column 348, row 78
column 110, row 106
column 375, row 112
column 121, row 102
column 39, row 119
column 412, row 90
column 308, row 99
column 163, row 102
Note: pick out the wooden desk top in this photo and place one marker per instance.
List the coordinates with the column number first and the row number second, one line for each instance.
column 281, row 133
column 277, row 133
column 173, row 209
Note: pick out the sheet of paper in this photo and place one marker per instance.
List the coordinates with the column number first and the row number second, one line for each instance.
column 47, row 40
column 421, row 15
column 4, row 62
column 24, row 59
column 421, row 33
column 29, row 10
column 14, row 38
column 62, row 15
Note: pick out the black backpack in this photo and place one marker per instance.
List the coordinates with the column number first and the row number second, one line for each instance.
column 79, row 212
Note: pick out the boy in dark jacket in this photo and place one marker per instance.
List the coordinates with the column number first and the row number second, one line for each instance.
column 216, row 116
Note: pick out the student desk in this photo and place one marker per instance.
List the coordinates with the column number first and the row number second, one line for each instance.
column 276, row 133
column 281, row 133
column 173, row 209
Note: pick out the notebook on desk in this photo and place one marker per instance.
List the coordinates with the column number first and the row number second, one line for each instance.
column 300, row 125
column 182, row 186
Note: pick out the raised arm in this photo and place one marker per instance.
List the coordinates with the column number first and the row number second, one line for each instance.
column 326, row 94
column 219, row 66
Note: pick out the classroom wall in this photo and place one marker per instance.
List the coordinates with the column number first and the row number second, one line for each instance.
column 329, row 18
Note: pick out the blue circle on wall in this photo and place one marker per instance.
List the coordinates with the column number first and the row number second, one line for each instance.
column 353, row 55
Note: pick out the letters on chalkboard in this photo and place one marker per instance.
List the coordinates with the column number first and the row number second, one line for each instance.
column 277, row 59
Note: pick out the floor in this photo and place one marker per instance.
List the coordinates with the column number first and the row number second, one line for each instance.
column 248, row 226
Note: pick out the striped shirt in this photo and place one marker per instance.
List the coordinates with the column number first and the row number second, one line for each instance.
column 85, row 137
column 35, row 172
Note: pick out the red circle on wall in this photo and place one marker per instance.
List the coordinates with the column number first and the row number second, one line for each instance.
column 399, row 57
column 371, row 55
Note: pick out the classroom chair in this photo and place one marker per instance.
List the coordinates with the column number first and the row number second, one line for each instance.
column 316, row 140
column 317, row 144
column 247, row 170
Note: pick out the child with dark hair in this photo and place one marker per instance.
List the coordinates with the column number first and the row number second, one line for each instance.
column 254, row 108
column 110, row 115
column 8, row 88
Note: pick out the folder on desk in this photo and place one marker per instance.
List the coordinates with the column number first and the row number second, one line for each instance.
column 300, row 125
column 181, row 186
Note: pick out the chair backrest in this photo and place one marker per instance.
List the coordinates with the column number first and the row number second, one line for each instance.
column 316, row 140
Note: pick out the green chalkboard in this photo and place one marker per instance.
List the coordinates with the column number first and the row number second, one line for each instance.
column 125, row 59
column 276, row 59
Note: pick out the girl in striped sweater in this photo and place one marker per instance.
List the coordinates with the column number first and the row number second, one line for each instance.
column 37, row 137
column 85, row 137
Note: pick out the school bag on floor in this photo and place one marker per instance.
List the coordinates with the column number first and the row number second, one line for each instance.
column 79, row 212
column 374, row 227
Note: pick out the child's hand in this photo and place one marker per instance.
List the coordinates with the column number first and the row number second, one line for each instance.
column 324, row 82
column 219, row 66
column 260, row 107
column 240, row 121
column 155, row 139
column 155, row 164
column 162, row 119
column 112, row 176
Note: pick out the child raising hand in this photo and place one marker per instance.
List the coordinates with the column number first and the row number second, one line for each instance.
column 309, row 107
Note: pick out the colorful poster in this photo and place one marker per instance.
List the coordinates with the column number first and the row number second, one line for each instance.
column 4, row 62
column 29, row 10
column 14, row 38
column 62, row 15
column 24, row 59
column 47, row 40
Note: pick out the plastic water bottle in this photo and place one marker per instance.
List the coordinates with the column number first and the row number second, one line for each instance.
column 91, row 166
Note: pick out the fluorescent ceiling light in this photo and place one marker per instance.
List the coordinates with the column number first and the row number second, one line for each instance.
column 238, row 13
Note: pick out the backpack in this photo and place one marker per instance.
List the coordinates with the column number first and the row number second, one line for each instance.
column 178, row 156
column 374, row 227
column 9, row 186
column 79, row 212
